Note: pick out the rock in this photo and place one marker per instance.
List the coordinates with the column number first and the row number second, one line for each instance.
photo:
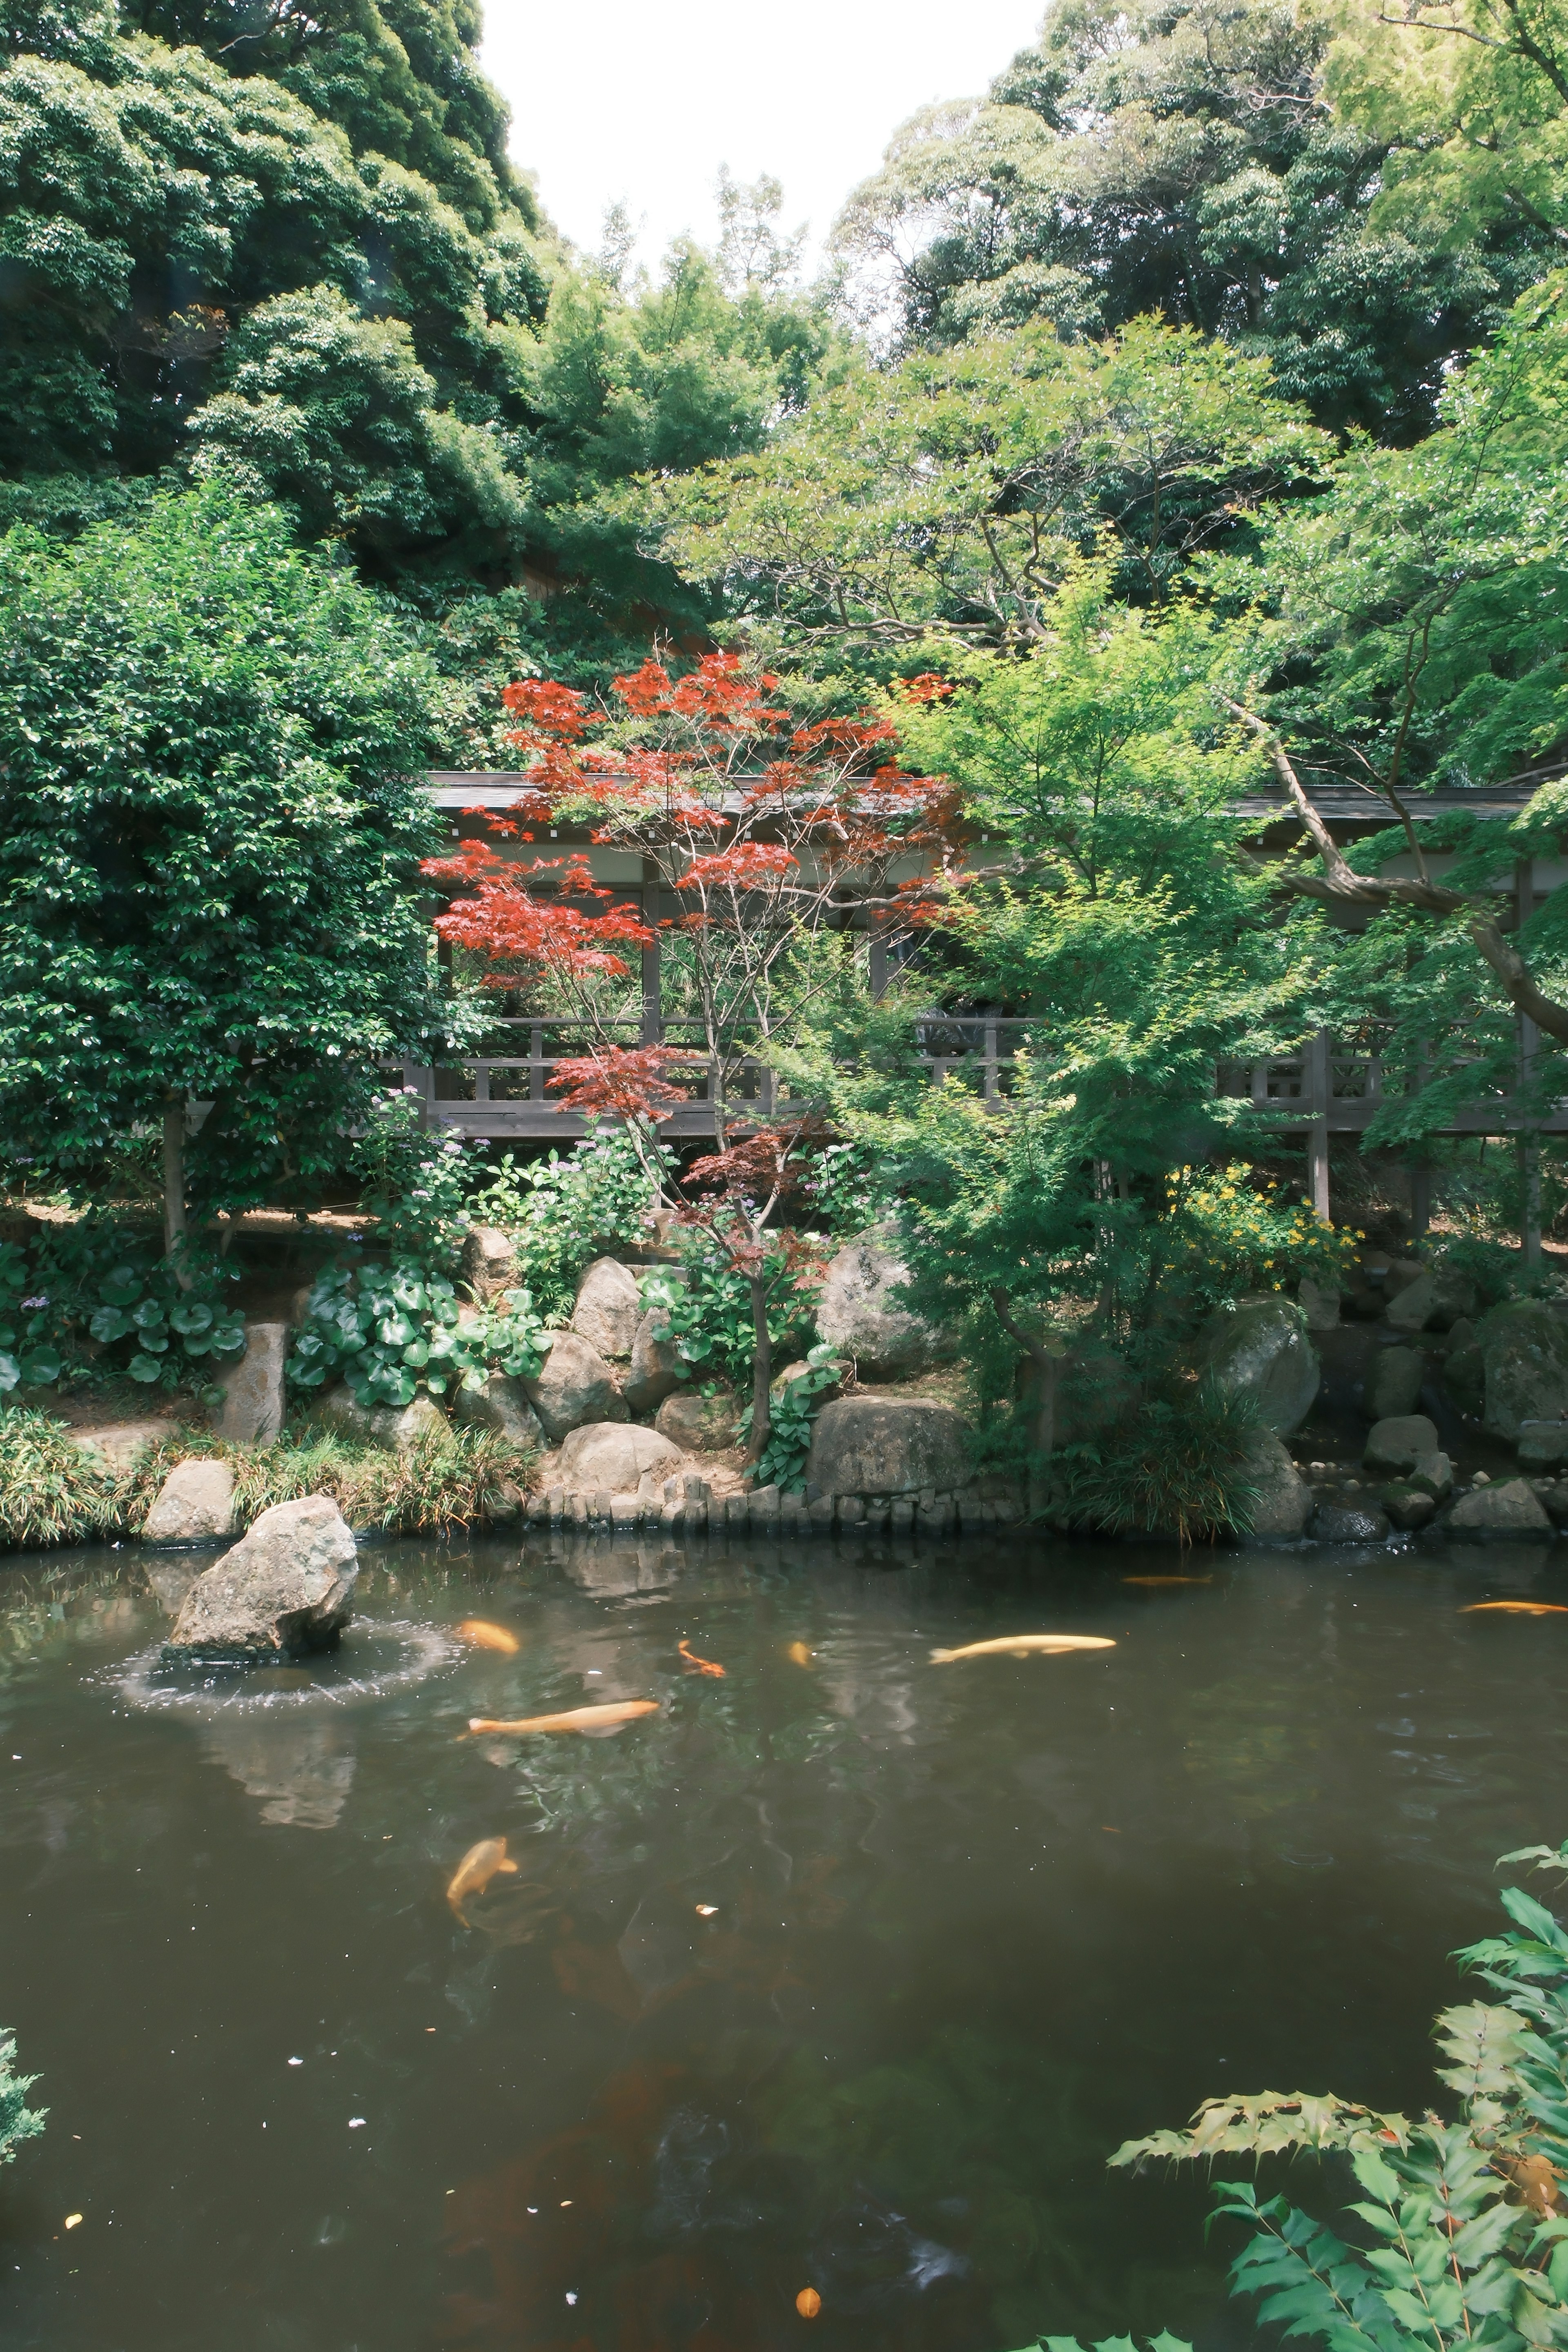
column 609, row 1307
column 1393, row 1382
column 489, row 1262
column 655, row 1368
column 118, row 1442
column 194, row 1504
column 615, row 1457
column 1414, row 1307
column 1462, row 1334
column 1260, row 1350
column 1345, row 1523
column 857, row 1315
column 1398, row 1443
column 1465, row 1377
column 1542, row 1445
column 253, row 1388
column 1283, row 1503
column 1552, row 1494
column 574, row 1385
column 501, row 1405
column 287, row 1586
column 800, row 1371
column 1511, row 1509
column 1456, row 1299
column 396, row 1427
column 1319, row 1303
column 699, row 1424
column 1434, row 1474
column 887, row 1446
column 1524, row 1350
column 1408, row 1506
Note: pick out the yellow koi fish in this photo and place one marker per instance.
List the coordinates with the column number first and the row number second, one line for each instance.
column 1517, row 1608
column 575, row 1719
column 475, row 1872
column 488, row 1637
column 1167, row 1580
column 1023, row 1645
column 800, row 1653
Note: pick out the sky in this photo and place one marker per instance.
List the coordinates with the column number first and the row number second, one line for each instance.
column 636, row 102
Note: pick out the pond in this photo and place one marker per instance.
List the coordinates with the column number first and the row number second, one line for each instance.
column 845, row 1969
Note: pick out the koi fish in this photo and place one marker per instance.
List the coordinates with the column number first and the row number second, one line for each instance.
column 487, row 1637
column 800, row 1653
column 808, row 2303
column 575, row 1719
column 1167, row 1580
column 1517, row 1608
column 475, row 1872
column 1021, row 1645
column 702, row 1665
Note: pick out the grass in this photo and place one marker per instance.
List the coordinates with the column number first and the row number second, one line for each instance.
column 1180, row 1467
column 52, row 1492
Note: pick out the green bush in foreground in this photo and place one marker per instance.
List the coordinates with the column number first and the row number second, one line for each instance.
column 19, row 2121
column 1465, row 2223
column 52, row 1491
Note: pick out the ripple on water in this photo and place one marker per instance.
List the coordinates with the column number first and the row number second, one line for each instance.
column 372, row 1661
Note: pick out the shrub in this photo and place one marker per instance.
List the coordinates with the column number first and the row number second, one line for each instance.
column 91, row 1302
column 1466, row 2235
column 795, row 1406
column 1227, row 1230
column 1178, row 1465
column 17, row 2120
column 52, row 1491
column 390, row 1331
column 561, row 1212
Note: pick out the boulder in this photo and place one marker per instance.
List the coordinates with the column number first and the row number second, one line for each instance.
column 887, row 1446
column 253, row 1388
column 1319, row 1303
column 1456, row 1299
column 856, row 1313
column 489, row 1262
column 699, row 1424
column 193, row 1505
column 1434, row 1474
column 609, row 1307
column 1524, row 1354
column 614, row 1458
column 1284, row 1499
column 118, row 1442
column 1260, row 1350
column 1393, row 1382
column 1510, row 1510
column 656, row 1369
column 803, row 1371
column 573, row 1386
column 1347, row 1523
column 1398, row 1443
column 287, row 1586
column 501, row 1405
column 1408, row 1506
column 1542, row 1445
column 1465, row 1377
column 1414, row 1307
column 396, row 1427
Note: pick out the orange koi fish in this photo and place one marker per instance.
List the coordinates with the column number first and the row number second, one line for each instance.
column 487, row 1637
column 575, row 1719
column 475, row 1872
column 1517, row 1608
column 702, row 1665
column 800, row 1653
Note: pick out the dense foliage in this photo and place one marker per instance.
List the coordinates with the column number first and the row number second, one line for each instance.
column 17, row 2120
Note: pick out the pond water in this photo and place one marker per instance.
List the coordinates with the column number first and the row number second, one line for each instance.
column 843, row 1971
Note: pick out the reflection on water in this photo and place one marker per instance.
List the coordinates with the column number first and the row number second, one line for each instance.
column 840, row 1973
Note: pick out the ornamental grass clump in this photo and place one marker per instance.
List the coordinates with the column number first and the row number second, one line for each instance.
column 52, row 1490
column 447, row 1479
column 1181, row 1465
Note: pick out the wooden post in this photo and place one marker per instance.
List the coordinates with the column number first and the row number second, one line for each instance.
column 1318, row 1130
column 878, row 965
column 1420, row 1200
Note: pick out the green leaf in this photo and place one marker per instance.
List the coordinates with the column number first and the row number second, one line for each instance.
column 149, row 1315
column 394, row 1332
column 192, row 1316
column 121, row 1287
column 40, row 1367
column 110, row 1323
column 144, row 1368
column 10, row 1373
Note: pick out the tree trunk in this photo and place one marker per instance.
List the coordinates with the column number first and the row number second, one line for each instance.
column 761, row 1373
column 1045, row 1365
column 174, row 1173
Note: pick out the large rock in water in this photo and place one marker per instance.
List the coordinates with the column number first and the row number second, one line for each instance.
column 194, row 1504
column 1400, row 1441
column 1284, row 1501
column 856, row 1313
column 655, row 1368
column 609, row 1307
column 1524, row 1356
column 287, row 1586
column 574, row 1385
column 1393, row 1382
column 612, row 1458
column 1260, row 1350
column 887, row 1446
column 1512, row 1509
column 253, row 1388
